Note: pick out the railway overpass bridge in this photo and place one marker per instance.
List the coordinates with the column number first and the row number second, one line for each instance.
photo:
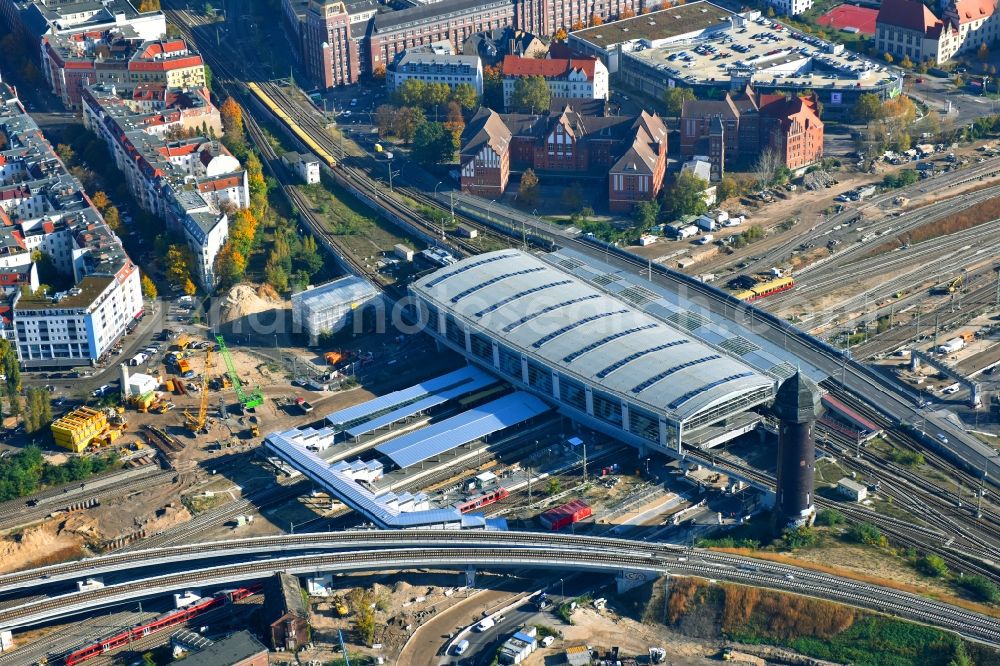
column 254, row 559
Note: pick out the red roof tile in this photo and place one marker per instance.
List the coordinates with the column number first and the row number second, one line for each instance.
column 550, row 69
column 908, row 14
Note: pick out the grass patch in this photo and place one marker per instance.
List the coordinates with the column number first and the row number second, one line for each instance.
column 828, row 472
column 855, row 575
column 817, row 628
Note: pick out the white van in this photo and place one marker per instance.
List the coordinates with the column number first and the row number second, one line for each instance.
column 461, row 647
column 485, row 625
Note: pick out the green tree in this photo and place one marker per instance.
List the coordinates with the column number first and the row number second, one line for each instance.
column 208, row 75
column 868, row 108
column 646, row 214
column 932, row 565
column 675, row 98
column 531, row 93
column 866, row 533
column 385, row 119
column 466, row 96
column 686, row 196
column 407, row 120
column 412, row 92
column 553, row 486
column 980, row 587
column 830, row 518
column 308, row 258
column 37, row 409
column 276, row 275
column 727, row 187
column 527, row 191
column 433, row 144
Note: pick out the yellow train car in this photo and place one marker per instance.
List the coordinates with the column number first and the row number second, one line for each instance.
column 765, row 289
column 286, row 119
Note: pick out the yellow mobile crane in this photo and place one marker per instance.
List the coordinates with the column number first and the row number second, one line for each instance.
column 197, row 424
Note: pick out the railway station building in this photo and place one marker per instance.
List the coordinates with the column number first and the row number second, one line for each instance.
column 608, row 352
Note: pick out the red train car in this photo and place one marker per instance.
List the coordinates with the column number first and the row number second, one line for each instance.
column 480, row 501
column 165, row 621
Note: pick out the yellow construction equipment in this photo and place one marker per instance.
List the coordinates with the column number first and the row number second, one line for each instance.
column 197, row 424
column 956, row 284
column 78, row 429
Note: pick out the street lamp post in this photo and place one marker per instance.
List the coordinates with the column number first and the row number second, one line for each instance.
column 489, row 213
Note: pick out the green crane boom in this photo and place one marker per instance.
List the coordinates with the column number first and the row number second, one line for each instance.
column 248, row 401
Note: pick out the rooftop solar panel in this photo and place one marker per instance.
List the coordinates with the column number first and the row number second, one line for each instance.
column 438, row 438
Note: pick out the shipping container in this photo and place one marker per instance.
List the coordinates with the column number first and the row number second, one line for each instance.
column 567, row 514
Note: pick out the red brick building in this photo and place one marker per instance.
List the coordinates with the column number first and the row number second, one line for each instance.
column 630, row 154
column 342, row 40
column 736, row 129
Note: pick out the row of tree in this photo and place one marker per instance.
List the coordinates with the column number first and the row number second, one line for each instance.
column 25, row 472
column 435, row 96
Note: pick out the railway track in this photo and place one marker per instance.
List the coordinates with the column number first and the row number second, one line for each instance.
column 54, row 645
column 31, row 514
column 639, row 556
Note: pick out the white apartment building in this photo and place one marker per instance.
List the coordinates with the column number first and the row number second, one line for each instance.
column 790, row 7
column 189, row 183
column 583, row 78
column 431, row 67
column 44, row 209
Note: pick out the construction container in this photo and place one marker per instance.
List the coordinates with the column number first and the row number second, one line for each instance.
column 79, row 428
column 169, row 385
column 402, row 252
column 467, row 232
column 567, row 514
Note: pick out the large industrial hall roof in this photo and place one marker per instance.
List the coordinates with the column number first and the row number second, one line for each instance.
column 545, row 312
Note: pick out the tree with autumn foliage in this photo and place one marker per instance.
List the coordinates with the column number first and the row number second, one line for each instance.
column 627, row 13
column 577, row 25
column 596, row 20
column 100, row 201
column 112, row 218
column 230, row 264
column 189, row 287
column 378, row 73
column 232, row 119
column 147, row 6
column 178, row 264
column 561, row 35
column 148, row 288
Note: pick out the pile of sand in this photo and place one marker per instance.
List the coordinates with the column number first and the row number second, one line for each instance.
column 247, row 299
column 55, row 541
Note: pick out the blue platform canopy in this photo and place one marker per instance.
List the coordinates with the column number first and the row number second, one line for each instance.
column 435, row 439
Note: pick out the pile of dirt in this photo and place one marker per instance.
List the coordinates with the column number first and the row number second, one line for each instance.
column 52, row 542
column 244, row 300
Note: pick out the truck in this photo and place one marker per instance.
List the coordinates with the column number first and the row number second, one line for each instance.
column 304, row 405
column 706, row 223
column 138, row 359
column 183, row 366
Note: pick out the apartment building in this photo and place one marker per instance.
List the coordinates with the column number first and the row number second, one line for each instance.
column 189, row 182
column 573, row 79
column 73, row 61
column 41, row 18
column 628, row 153
column 432, row 67
column 44, row 209
column 910, row 29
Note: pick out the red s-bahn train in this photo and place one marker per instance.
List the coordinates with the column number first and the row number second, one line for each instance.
column 480, row 501
column 165, row 621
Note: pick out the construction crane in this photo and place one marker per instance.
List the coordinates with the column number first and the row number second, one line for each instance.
column 250, row 401
column 197, row 424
